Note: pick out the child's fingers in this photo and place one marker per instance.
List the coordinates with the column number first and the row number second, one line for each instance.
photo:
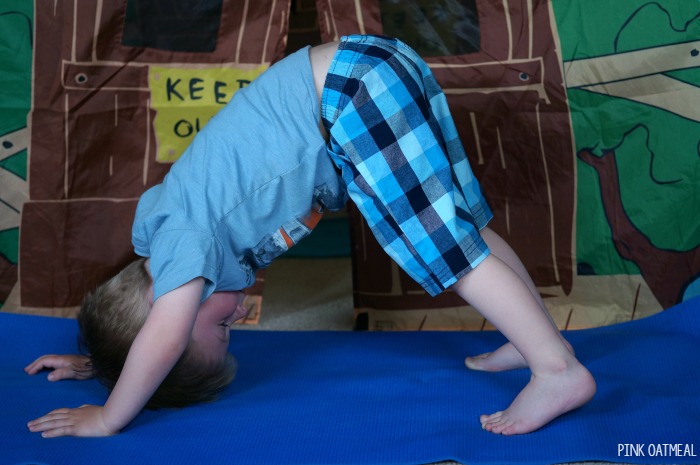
column 45, row 361
column 62, row 373
column 33, row 367
column 70, row 373
column 52, row 425
column 63, row 366
column 47, row 421
column 83, row 421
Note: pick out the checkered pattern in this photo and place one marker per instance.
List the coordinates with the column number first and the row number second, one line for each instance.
column 394, row 140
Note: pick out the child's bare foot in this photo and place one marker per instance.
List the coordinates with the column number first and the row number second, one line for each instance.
column 504, row 358
column 546, row 396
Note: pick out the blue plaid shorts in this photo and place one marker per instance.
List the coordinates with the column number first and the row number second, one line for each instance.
column 396, row 145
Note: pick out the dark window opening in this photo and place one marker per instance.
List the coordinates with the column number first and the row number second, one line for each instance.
column 433, row 28
column 173, row 25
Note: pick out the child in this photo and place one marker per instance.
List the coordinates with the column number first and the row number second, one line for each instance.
column 110, row 319
column 257, row 179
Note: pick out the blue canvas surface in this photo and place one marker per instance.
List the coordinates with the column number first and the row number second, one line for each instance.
column 375, row 398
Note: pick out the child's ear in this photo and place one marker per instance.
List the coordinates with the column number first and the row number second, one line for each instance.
column 240, row 313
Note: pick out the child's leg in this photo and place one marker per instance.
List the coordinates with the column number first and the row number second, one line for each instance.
column 559, row 383
column 507, row 357
column 399, row 153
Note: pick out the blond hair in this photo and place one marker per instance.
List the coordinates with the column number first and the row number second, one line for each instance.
column 110, row 318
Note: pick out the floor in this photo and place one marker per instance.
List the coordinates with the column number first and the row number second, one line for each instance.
column 312, row 294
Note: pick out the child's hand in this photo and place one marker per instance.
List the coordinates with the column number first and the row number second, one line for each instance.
column 62, row 366
column 85, row 421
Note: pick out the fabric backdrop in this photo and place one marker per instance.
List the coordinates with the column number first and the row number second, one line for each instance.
column 583, row 128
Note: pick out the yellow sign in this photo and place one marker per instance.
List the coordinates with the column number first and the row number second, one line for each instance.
column 186, row 98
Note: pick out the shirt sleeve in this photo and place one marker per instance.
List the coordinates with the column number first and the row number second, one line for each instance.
column 179, row 256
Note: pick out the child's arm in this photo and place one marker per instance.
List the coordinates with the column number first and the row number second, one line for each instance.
column 156, row 349
column 62, row 366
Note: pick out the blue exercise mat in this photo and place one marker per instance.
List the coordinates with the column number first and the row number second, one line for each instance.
column 376, row 398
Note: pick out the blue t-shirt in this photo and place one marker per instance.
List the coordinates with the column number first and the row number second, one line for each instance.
column 253, row 182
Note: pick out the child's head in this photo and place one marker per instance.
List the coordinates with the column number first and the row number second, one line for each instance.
column 110, row 319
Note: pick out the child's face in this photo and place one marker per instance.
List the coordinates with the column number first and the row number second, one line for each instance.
column 212, row 325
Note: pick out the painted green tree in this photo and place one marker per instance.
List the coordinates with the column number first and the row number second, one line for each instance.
column 16, row 19
column 632, row 71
